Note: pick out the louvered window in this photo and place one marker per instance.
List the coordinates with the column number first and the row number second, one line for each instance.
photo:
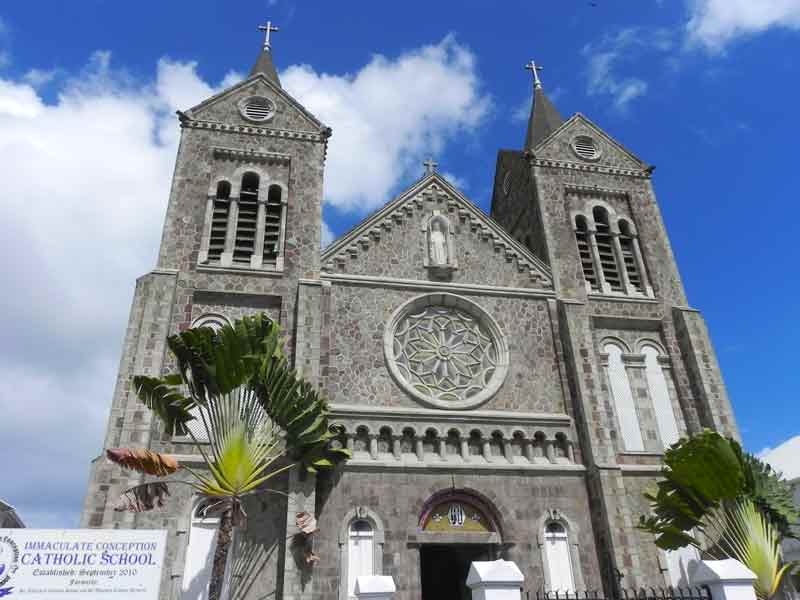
column 246, row 223
column 199, row 558
column 585, row 147
column 585, row 253
column 273, row 224
column 659, row 394
column 219, row 221
column 605, row 248
column 257, row 108
column 360, row 554
column 559, row 561
column 628, row 256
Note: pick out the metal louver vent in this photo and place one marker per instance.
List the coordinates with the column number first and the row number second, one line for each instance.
column 257, row 108
column 585, row 147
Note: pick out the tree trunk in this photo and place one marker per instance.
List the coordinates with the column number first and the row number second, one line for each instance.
column 224, row 537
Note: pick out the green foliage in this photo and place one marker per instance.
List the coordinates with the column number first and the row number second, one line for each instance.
column 253, row 407
column 723, row 501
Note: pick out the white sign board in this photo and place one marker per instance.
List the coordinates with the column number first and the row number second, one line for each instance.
column 90, row 564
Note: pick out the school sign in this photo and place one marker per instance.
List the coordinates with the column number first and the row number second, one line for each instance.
column 48, row 564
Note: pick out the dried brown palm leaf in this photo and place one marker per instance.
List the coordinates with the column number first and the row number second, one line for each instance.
column 306, row 523
column 143, row 461
column 142, row 498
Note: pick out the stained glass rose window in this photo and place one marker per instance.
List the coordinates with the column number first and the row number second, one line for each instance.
column 446, row 351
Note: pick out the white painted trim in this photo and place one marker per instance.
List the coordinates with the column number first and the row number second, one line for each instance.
column 473, row 416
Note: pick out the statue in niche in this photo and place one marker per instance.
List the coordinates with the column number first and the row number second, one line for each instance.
column 439, row 237
column 438, row 244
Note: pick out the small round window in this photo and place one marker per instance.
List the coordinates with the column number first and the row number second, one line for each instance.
column 586, row 147
column 257, row 108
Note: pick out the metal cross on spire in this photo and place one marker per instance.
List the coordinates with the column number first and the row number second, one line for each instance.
column 534, row 68
column 267, row 29
column 430, row 166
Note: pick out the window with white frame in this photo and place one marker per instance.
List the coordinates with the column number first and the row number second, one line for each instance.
column 559, row 558
column 360, row 553
column 199, row 558
column 659, row 394
column 624, row 406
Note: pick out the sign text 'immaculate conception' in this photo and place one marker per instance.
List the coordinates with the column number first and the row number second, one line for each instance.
column 43, row 564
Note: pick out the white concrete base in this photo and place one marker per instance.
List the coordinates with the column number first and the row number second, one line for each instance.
column 375, row 587
column 727, row 579
column 495, row 580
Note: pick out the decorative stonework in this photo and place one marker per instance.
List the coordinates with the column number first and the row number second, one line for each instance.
column 269, row 132
column 440, row 255
column 236, row 154
column 446, row 351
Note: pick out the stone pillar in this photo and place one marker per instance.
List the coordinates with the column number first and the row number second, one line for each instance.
column 375, row 587
column 419, row 446
column 487, row 450
column 726, row 579
column 464, row 448
column 205, row 239
column 397, row 446
column 598, row 266
column 373, row 446
column 226, row 260
column 297, row 580
column 495, row 580
column 257, row 257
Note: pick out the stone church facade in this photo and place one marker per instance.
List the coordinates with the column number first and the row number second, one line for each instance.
column 507, row 382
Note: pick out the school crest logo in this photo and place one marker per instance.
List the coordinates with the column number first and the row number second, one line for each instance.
column 9, row 562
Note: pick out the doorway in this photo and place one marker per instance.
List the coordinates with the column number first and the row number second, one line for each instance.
column 445, row 569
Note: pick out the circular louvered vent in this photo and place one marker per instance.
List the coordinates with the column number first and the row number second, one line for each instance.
column 257, row 108
column 585, row 147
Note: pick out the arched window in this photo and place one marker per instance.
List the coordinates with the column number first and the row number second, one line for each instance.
column 247, row 220
column 219, row 221
column 659, row 393
column 629, row 256
column 215, row 322
column 559, row 560
column 273, row 224
column 360, row 553
column 585, row 253
column 622, row 396
column 199, row 558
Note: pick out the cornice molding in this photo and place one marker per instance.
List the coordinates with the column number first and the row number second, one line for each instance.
column 303, row 136
column 251, row 155
column 589, row 189
column 590, row 168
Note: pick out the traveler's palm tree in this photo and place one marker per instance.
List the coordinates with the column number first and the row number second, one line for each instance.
column 727, row 504
column 255, row 417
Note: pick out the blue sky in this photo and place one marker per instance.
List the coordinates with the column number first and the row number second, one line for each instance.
column 704, row 89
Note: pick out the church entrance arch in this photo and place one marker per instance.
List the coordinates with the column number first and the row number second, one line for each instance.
column 457, row 528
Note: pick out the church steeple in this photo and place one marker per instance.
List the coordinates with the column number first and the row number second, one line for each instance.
column 545, row 118
column 264, row 62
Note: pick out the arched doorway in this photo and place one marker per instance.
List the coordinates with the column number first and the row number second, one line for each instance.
column 457, row 528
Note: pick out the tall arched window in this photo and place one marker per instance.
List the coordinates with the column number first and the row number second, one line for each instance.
column 273, row 224
column 360, row 553
column 622, row 396
column 219, row 221
column 585, row 253
column 199, row 558
column 247, row 220
column 605, row 248
column 659, row 393
column 629, row 256
column 559, row 560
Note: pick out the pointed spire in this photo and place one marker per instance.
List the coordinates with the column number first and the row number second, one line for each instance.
column 264, row 63
column 545, row 118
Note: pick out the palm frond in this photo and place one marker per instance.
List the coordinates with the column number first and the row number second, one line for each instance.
column 144, row 497
column 164, row 398
column 143, row 461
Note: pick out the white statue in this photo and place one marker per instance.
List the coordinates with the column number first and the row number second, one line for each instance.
column 438, row 244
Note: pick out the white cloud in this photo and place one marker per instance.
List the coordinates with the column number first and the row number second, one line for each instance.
column 784, row 457
column 327, row 236
column 604, row 58
column 713, row 23
column 457, row 182
column 388, row 116
column 89, row 176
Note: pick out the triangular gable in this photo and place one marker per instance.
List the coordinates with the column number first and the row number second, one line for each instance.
column 256, row 79
column 580, row 124
column 364, row 236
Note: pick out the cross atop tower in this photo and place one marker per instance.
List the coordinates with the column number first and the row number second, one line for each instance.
column 534, row 69
column 267, row 29
column 430, row 166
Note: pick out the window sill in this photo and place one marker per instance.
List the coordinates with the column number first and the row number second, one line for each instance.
column 622, row 298
column 234, row 270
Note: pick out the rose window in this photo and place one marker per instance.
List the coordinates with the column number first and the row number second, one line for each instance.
column 446, row 351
